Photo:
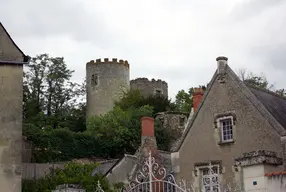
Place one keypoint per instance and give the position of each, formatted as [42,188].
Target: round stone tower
[150,87]
[106,81]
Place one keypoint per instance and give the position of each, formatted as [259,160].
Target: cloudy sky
[174,40]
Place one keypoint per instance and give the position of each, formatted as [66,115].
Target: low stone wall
[69,188]
[32,171]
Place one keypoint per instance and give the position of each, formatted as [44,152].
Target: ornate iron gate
[154,178]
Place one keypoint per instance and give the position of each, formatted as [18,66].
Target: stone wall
[151,87]
[11,94]
[32,171]
[174,121]
[69,188]
[11,110]
[106,82]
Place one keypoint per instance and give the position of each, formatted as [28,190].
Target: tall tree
[49,94]
[255,80]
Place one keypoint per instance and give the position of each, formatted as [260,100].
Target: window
[158,92]
[94,80]
[226,129]
[207,171]
[209,177]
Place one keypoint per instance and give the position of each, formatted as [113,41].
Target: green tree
[73,173]
[255,80]
[184,100]
[50,97]
[281,92]
[119,130]
[133,98]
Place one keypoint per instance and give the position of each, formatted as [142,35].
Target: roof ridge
[266,91]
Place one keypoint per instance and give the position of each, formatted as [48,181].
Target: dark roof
[104,167]
[25,58]
[274,103]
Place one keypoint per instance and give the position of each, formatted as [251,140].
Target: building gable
[271,106]
[228,108]
[9,52]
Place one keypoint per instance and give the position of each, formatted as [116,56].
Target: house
[236,135]
[234,126]
[12,60]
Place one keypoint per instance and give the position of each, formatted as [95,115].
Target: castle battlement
[146,80]
[150,87]
[109,61]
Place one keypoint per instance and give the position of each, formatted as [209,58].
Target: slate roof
[104,167]
[25,58]
[275,104]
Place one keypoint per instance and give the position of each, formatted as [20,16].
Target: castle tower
[148,88]
[106,82]
[11,112]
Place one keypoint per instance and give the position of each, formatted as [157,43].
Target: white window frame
[219,124]
[203,176]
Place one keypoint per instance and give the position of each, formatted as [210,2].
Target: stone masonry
[148,88]
[11,109]
[106,83]
[173,121]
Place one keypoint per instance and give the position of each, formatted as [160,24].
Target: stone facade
[106,83]
[174,121]
[11,110]
[226,96]
[148,88]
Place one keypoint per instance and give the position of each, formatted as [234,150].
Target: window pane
[226,129]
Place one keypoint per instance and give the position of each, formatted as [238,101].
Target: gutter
[14,62]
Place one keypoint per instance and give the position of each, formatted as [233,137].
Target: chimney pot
[221,63]
[147,126]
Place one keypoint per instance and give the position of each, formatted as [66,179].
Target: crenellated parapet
[107,80]
[109,61]
[146,80]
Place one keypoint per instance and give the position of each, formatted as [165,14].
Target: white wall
[276,183]
[255,181]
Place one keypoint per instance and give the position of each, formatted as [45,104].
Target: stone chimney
[197,97]
[221,63]
[148,139]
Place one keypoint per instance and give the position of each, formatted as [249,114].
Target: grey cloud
[40,19]
[272,55]
[252,8]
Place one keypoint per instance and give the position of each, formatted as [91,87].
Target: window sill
[226,142]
